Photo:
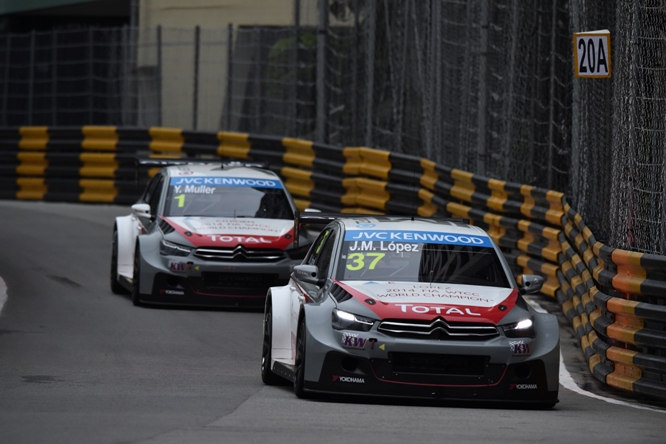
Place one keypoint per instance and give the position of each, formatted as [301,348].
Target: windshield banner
[225,182]
[428,237]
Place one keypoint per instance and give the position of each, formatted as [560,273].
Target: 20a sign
[592,54]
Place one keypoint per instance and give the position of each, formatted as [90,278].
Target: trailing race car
[207,235]
[410,307]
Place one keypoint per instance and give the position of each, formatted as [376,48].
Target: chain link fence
[484,86]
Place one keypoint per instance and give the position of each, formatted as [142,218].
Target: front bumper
[171,280]
[525,382]
[437,370]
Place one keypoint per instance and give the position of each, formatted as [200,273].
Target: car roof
[218,170]
[378,223]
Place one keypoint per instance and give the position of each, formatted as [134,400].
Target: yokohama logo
[337,378]
[523,386]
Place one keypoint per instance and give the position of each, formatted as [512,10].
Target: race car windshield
[220,201]
[421,262]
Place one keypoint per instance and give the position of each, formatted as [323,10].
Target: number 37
[356,261]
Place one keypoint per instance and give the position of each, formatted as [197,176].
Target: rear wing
[323,219]
[161,163]
[154,162]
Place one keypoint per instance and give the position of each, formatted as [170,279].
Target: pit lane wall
[615,299]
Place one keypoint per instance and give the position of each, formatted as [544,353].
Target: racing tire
[547,405]
[299,364]
[267,375]
[136,294]
[116,286]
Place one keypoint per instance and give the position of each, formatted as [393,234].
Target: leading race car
[207,235]
[410,307]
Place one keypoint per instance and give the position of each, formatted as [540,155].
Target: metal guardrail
[615,299]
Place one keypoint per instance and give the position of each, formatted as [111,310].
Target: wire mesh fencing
[483,86]
[66,77]
[637,148]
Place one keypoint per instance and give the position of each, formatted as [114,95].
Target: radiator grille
[431,364]
[239,254]
[438,329]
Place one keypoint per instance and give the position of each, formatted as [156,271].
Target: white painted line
[568,382]
[3,293]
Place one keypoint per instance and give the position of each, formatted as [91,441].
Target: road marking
[3,293]
[567,381]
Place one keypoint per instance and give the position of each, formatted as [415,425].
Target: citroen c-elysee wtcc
[207,235]
[410,307]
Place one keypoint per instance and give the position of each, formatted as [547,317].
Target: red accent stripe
[206,240]
[431,311]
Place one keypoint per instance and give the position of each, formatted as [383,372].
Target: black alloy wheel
[267,375]
[299,367]
[116,287]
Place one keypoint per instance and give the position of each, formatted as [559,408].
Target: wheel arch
[279,300]
[127,229]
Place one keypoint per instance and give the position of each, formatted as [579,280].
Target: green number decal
[377,257]
[356,260]
[181,200]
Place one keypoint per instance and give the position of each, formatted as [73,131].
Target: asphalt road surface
[79,364]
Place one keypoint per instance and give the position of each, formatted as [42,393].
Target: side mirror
[308,274]
[141,210]
[531,283]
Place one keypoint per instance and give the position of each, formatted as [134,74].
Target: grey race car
[207,235]
[410,307]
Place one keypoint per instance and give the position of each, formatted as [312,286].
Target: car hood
[231,232]
[425,301]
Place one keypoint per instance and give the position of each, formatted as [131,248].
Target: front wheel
[116,287]
[267,375]
[299,367]
[136,275]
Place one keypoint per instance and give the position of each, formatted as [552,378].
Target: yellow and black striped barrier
[614,299]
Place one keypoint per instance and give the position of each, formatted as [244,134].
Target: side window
[150,189]
[154,198]
[321,251]
[317,247]
[324,258]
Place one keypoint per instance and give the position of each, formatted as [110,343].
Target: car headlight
[171,249]
[343,320]
[520,329]
[298,253]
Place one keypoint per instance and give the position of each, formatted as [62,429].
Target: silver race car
[410,307]
[207,235]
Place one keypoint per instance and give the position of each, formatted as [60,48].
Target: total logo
[421,309]
[239,239]
[337,378]
[522,386]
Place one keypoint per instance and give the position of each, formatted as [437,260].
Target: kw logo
[353,341]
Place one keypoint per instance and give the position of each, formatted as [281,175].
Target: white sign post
[592,54]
